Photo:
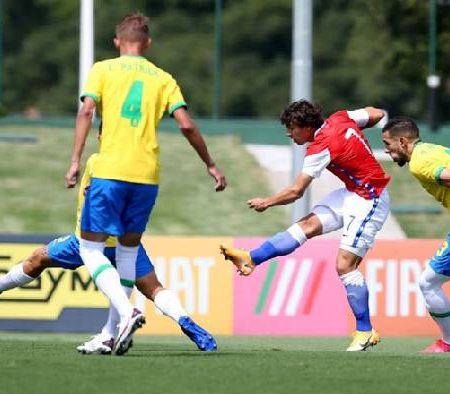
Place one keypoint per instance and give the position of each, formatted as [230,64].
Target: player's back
[351,158]
[132,95]
[426,164]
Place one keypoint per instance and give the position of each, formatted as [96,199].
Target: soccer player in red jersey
[360,208]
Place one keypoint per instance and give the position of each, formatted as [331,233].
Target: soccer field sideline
[243,364]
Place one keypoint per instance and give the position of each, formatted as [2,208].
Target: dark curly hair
[402,126]
[302,113]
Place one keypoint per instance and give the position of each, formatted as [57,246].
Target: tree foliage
[364,52]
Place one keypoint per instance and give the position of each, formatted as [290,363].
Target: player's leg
[27,271]
[106,336]
[362,220]
[103,272]
[358,299]
[101,215]
[109,330]
[61,252]
[322,220]
[280,244]
[134,217]
[438,305]
[169,304]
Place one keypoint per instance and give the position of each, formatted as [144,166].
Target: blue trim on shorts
[365,221]
[65,252]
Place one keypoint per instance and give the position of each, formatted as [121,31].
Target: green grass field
[48,363]
[34,200]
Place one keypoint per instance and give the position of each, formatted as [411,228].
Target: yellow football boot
[240,258]
[363,339]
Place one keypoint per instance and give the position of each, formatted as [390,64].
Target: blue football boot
[202,338]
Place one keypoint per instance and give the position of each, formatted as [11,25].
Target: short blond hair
[133,28]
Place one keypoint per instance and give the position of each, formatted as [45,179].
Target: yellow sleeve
[428,170]
[174,97]
[94,85]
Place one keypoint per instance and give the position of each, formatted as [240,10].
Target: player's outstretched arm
[285,196]
[82,127]
[193,135]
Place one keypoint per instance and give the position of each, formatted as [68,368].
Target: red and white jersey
[340,146]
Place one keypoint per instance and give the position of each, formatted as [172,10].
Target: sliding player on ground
[64,253]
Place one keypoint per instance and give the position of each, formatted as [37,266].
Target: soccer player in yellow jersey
[430,164]
[64,252]
[131,94]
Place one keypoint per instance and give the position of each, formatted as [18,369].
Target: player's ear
[149,42]
[116,42]
[403,141]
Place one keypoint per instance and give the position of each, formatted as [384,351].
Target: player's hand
[258,204]
[221,182]
[72,175]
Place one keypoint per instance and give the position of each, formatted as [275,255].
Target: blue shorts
[116,207]
[65,252]
[440,262]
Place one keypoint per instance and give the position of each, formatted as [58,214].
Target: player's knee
[130,239]
[311,225]
[346,262]
[343,269]
[426,283]
[37,256]
[35,264]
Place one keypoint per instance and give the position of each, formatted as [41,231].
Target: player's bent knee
[311,225]
[347,262]
[36,258]
[327,219]
[426,283]
[36,263]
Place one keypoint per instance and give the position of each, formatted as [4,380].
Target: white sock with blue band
[281,244]
[358,298]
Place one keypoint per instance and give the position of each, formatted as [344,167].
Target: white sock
[15,278]
[436,301]
[297,233]
[110,328]
[169,304]
[126,257]
[355,278]
[105,276]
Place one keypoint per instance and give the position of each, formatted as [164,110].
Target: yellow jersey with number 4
[131,95]
[426,164]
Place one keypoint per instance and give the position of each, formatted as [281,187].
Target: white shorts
[361,219]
